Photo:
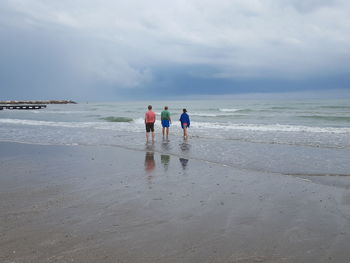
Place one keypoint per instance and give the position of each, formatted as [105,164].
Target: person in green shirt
[166,121]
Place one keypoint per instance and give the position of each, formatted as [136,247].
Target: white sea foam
[138,124]
[268,128]
[229,110]
[203,114]
[63,112]
[222,114]
[139,121]
[135,125]
[61,124]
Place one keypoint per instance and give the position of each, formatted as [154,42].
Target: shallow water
[293,137]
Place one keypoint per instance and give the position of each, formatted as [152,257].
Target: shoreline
[108,204]
[279,159]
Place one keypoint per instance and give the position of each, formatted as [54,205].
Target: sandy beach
[109,204]
[174,131]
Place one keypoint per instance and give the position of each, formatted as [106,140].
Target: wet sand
[107,204]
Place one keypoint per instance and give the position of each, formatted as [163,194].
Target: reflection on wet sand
[150,163]
[165,159]
[183,162]
[185,148]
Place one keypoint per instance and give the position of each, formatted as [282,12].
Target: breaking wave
[131,124]
[326,118]
[229,110]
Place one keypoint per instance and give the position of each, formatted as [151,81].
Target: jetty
[38,102]
[23,107]
[30,104]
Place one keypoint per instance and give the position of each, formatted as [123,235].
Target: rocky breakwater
[38,102]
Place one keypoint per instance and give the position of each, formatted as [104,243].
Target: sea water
[300,137]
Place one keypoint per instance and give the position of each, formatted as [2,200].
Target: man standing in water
[166,120]
[150,119]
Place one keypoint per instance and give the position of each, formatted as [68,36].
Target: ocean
[294,137]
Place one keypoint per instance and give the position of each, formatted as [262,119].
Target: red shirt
[150,117]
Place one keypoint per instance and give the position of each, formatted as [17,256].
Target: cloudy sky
[113,49]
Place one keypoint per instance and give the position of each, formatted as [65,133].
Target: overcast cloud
[89,49]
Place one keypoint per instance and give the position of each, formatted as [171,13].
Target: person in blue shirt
[185,122]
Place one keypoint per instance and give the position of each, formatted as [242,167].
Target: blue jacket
[184,118]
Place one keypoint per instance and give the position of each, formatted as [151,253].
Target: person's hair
[149,107]
[184,110]
[166,107]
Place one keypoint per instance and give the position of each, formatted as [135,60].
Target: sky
[103,50]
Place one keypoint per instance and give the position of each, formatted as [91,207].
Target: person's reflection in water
[150,163]
[185,148]
[183,162]
[165,159]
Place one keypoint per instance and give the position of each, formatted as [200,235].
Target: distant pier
[30,104]
[36,102]
[22,107]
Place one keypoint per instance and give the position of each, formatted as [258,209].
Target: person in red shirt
[150,119]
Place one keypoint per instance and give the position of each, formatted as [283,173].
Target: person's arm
[145,117]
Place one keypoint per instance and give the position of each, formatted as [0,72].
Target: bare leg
[167,132]
[185,132]
[185,139]
[163,131]
[153,134]
[147,135]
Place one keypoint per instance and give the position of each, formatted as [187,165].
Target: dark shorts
[184,125]
[149,127]
[165,123]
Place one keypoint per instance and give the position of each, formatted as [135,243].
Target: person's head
[184,110]
[149,107]
[166,108]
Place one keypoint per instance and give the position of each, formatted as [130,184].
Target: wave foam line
[269,128]
[229,110]
[198,125]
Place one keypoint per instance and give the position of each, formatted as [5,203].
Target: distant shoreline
[38,102]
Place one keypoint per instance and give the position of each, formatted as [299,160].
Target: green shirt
[165,115]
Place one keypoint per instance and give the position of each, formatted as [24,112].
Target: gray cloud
[93,45]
